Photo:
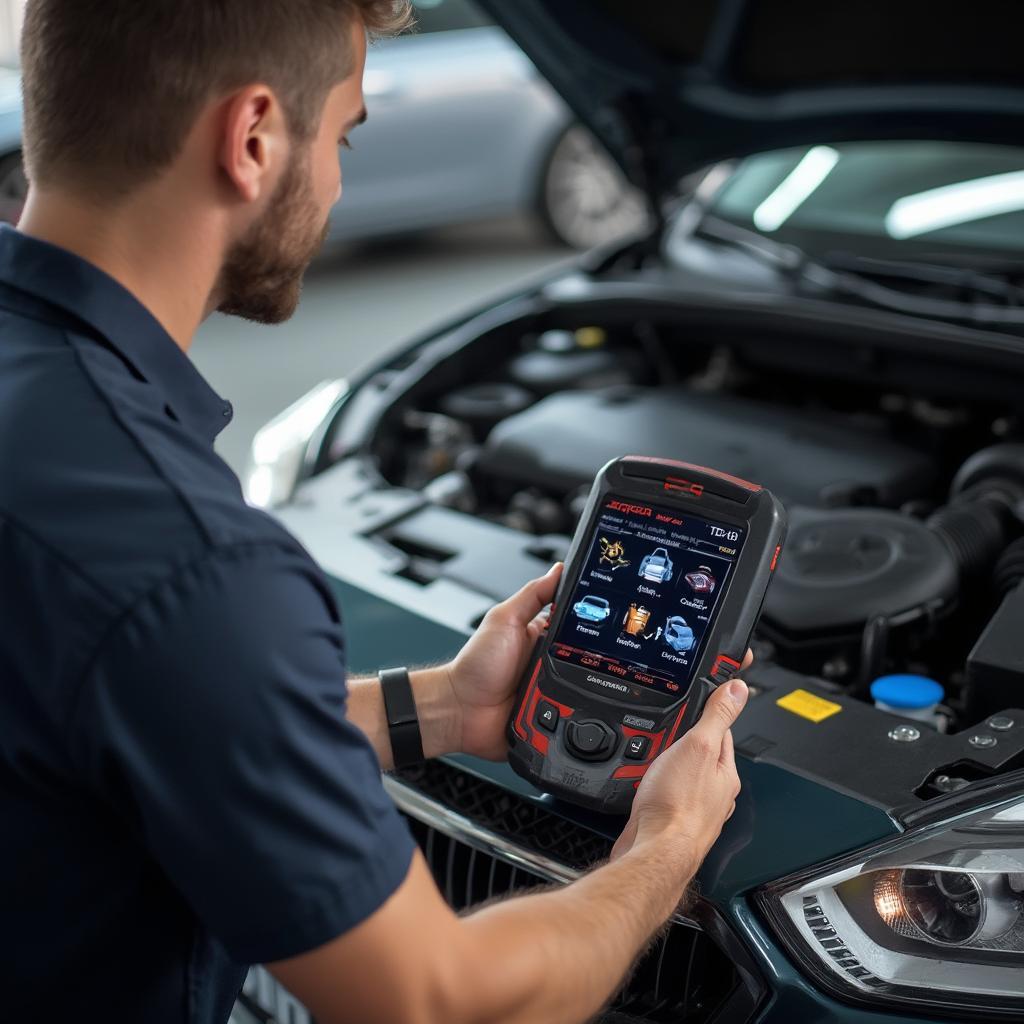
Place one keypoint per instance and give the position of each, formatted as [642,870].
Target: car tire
[585,200]
[13,188]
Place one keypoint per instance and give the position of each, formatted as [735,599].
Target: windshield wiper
[982,299]
[969,282]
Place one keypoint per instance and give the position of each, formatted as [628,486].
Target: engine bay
[903,475]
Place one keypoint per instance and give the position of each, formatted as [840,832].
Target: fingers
[537,625]
[722,709]
[748,659]
[527,603]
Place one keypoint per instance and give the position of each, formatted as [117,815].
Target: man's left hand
[485,674]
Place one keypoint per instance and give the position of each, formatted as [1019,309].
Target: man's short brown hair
[112,87]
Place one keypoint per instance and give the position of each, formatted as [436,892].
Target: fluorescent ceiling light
[959,203]
[813,169]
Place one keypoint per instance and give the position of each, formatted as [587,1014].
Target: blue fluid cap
[907,691]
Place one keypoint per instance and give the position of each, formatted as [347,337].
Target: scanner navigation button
[636,747]
[547,716]
[591,741]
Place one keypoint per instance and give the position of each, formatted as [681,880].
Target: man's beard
[261,278]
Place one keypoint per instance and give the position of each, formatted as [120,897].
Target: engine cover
[843,567]
[561,442]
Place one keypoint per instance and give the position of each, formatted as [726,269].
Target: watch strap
[403,720]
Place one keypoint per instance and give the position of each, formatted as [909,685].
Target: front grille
[684,977]
[263,1001]
[506,814]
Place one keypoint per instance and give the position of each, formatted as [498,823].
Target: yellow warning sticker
[808,705]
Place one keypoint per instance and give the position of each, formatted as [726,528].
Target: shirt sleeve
[213,721]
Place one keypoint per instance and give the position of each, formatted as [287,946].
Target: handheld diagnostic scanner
[662,588]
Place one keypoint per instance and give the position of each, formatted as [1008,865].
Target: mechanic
[188,783]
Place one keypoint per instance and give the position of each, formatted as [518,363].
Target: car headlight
[279,451]
[933,918]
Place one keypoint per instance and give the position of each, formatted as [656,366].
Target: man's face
[262,276]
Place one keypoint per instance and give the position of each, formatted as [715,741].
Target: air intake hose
[1009,571]
[975,533]
[981,517]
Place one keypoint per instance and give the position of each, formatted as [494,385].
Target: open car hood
[670,86]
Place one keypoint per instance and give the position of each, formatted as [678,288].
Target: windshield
[911,200]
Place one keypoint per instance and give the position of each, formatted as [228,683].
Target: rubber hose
[974,532]
[1009,571]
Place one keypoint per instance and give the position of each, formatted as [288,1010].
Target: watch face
[651,582]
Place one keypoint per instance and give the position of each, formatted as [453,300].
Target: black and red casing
[542,756]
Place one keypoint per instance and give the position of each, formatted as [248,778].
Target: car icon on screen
[678,634]
[701,580]
[592,608]
[657,566]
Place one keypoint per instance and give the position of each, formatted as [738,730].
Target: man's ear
[254,144]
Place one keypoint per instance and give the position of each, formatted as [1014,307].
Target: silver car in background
[461,128]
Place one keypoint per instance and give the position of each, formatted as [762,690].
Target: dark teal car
[831,302]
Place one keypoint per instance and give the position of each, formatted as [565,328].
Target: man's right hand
[690,791]
[552,955]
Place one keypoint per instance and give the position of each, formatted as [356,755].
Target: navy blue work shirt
[180,792]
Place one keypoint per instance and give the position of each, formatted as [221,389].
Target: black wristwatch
[403,722]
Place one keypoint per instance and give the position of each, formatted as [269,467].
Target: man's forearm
[551,958]
[440,725]
[559,955]
[556,955]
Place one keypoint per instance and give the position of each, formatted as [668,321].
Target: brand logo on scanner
[607,682]
[676,483]
[636,510]
[639,723]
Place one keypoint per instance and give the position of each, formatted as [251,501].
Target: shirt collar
[66,281]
